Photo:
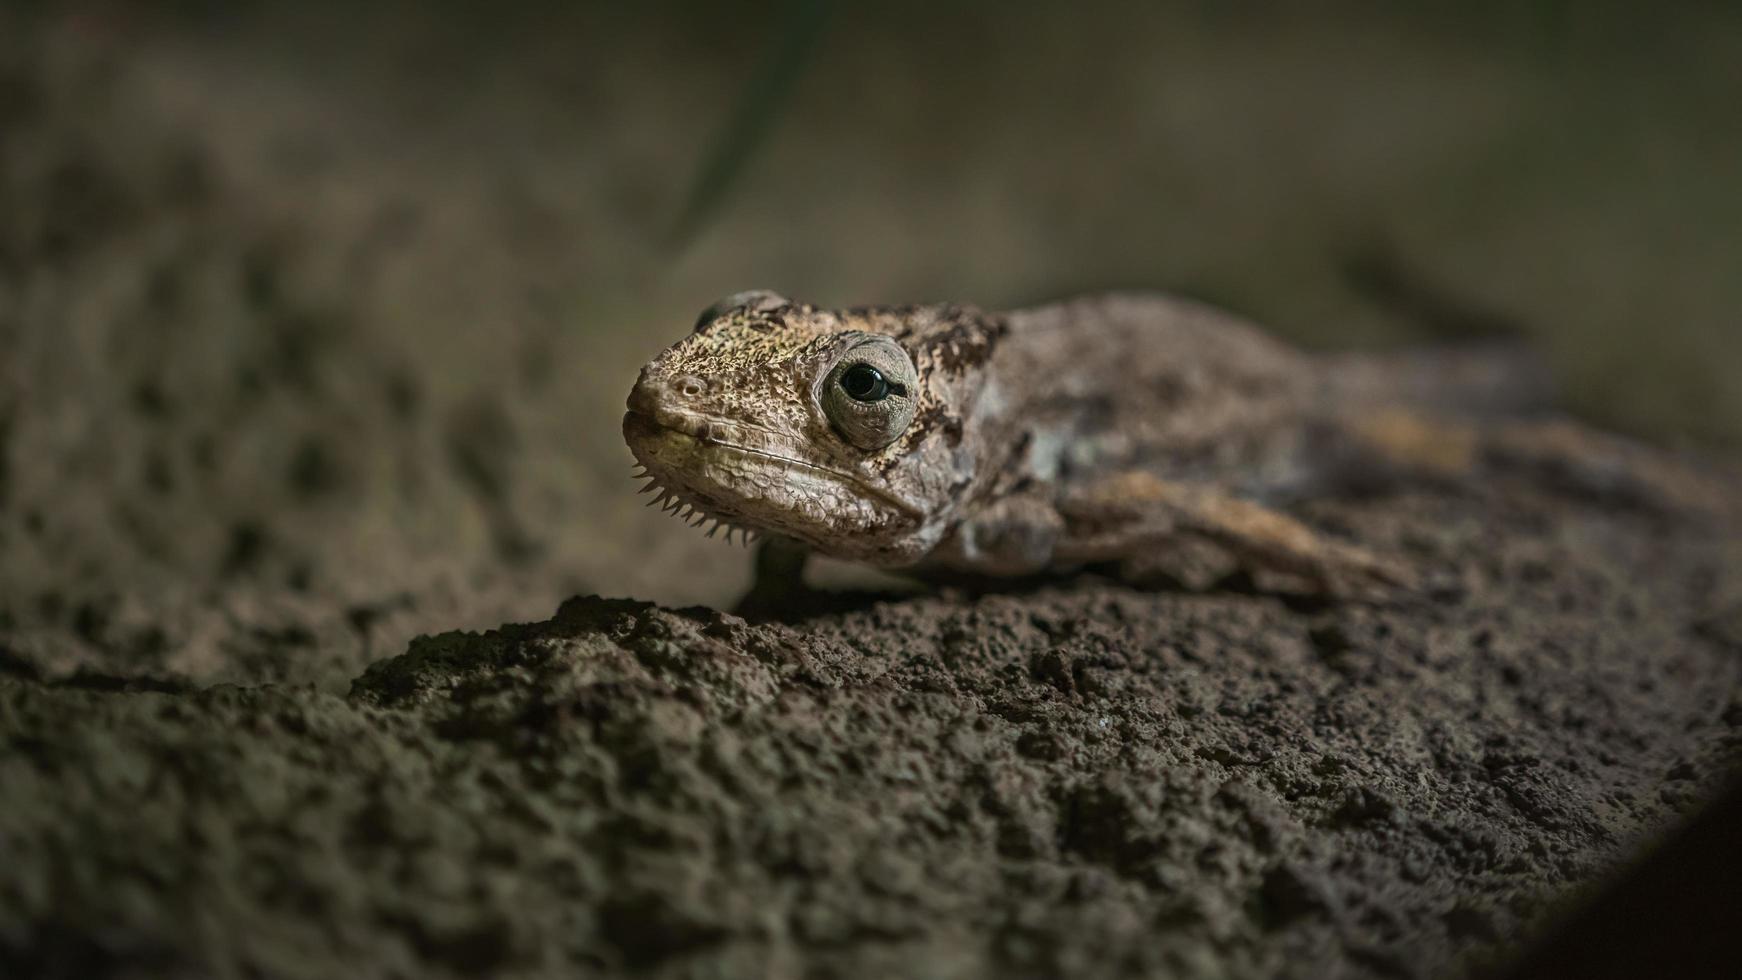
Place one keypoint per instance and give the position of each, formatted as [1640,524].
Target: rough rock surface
[1082,779]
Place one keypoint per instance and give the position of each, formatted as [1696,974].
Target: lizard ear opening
[754,300]
[869,395]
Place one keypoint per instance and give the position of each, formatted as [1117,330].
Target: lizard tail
[1479,379]
[1478,365]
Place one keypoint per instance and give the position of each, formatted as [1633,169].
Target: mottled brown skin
[1129,428]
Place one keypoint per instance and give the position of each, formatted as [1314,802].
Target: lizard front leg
[777,577]
[1011,536]
[1134,517]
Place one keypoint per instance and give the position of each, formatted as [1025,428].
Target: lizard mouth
[702,476]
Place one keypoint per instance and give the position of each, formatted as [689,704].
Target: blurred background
[316,322]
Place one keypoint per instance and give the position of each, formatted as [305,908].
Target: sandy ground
[314,333]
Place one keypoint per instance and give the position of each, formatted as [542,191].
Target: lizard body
[1116,428]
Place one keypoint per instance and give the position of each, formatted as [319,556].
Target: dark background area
[316,322]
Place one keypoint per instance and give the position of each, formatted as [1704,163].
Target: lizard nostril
[690,387]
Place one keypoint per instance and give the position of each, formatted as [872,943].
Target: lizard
[1144,431]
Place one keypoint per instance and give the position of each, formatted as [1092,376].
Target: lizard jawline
[640,427]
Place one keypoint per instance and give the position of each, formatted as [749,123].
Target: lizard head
[842,429]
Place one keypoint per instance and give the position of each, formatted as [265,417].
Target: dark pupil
[865,383]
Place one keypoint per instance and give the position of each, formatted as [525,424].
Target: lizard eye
[867,395]
[864,383]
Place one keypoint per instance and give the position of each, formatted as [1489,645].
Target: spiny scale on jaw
[687,511]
